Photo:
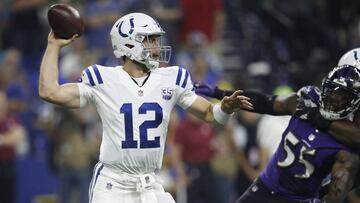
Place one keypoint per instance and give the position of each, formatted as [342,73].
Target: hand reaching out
[236,102]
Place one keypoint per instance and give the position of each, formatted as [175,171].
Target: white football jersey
[135,119]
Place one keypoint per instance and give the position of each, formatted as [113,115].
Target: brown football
[65,21]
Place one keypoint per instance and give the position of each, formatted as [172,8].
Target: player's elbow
[43,94]
[46,94]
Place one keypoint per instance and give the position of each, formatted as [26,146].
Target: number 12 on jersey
[129,142]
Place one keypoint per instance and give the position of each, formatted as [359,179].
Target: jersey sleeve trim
[97,73]
[178,78]
[182,77]
[91,80]
[185,80]
[93,72]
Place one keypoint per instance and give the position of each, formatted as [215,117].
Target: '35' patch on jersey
[166,93]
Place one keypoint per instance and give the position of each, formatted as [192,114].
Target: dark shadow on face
[338,99]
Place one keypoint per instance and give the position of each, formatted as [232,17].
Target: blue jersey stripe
[93,178]
[178,78]
[87,71]
[97,73]
[185,80]
[94,182]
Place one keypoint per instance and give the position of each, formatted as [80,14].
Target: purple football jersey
[303,159]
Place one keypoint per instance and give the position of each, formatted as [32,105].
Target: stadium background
[247,44]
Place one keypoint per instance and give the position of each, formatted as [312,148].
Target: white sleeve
[85,94]
[85,88]
[187,93]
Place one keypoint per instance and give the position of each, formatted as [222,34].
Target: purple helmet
[340,94]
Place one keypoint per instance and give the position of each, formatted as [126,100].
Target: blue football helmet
[340,94]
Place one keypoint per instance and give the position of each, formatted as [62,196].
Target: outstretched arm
[220,112]
[49,89]
[342,176]
[344,131]
[264,104]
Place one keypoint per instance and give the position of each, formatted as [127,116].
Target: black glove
[304,104]
[318,120]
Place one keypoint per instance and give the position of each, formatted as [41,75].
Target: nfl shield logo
[109,186]
[141,93]
[147,179]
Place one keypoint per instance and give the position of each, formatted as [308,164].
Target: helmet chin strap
[118,54]
[148,63]
[333,116]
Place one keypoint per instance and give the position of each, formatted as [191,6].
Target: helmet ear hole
[130,46]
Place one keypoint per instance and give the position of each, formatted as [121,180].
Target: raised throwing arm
[66,95]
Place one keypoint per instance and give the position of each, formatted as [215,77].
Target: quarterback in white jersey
[134,102]
[134,118]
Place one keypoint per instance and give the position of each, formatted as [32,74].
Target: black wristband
[262,103]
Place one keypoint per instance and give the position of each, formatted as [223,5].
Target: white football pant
[109,187]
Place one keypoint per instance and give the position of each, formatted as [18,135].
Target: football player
[134,102]
[307,152]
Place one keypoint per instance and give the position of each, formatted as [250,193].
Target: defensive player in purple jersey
[307,153]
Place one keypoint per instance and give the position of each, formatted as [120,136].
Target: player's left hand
[308,110]
[236,102]
[305,105]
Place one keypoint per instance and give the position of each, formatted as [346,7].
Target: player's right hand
[53,40]
[236,102]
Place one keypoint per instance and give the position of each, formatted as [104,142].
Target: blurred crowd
[275,46]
